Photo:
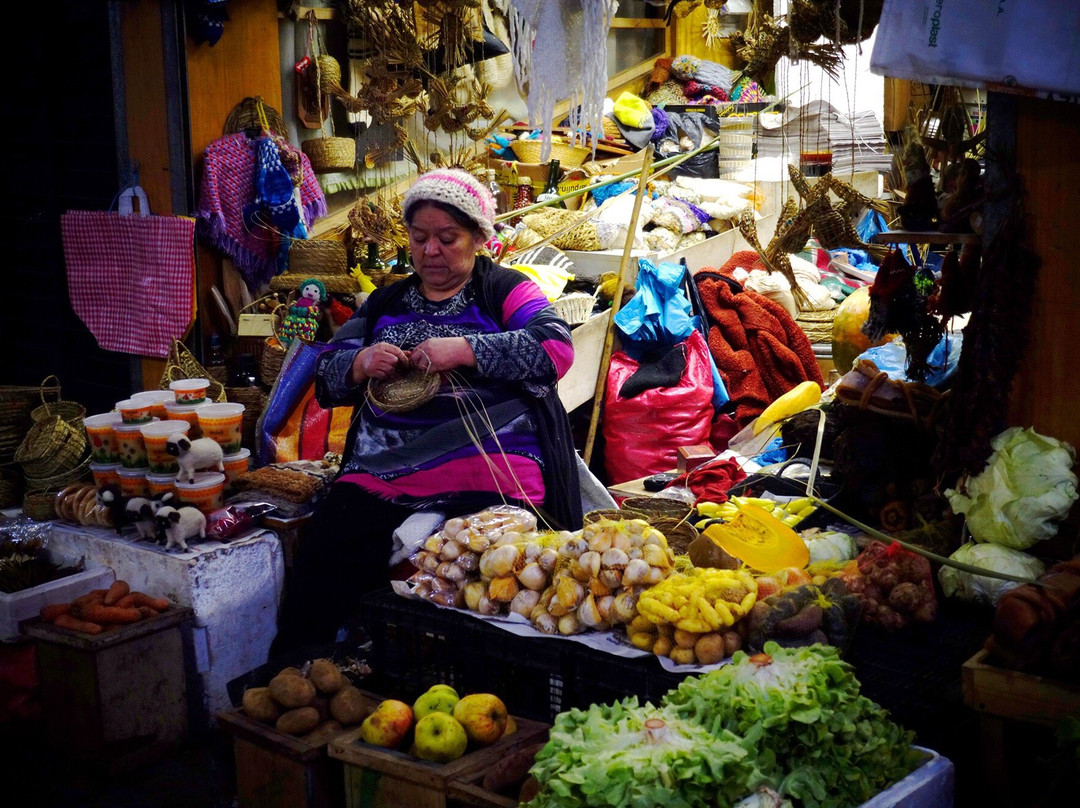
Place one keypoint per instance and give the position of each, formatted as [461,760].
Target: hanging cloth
[228,190]
[131,277]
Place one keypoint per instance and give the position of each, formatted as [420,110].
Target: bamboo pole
[609,336]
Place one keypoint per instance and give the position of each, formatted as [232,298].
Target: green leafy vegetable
[1027,486]
[981,588]
[823,743]
[606,755]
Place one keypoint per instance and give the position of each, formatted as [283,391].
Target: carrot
[51,611]
[146,611]
[127,601]
[73,623]
[157,604]
[93,596]
[116,591]
[100,613]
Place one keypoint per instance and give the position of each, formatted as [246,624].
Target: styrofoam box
[19,606]
[932,785]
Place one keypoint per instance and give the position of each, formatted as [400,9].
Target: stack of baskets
[16,402]
[54,452]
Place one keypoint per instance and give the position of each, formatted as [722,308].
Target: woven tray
[401,392]
[528,151]
[659,507]
[330,153]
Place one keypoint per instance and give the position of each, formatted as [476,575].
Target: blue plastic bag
[892,358]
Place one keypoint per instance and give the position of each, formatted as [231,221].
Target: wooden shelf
[924,237]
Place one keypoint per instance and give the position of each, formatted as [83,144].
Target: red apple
[484,717]
[388,725]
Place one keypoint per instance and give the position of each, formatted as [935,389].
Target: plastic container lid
[103,419]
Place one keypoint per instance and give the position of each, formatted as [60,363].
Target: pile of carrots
[98,609]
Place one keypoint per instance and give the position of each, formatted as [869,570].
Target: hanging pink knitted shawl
[228,192]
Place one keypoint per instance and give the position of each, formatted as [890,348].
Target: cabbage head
[1026,488]
[979,588]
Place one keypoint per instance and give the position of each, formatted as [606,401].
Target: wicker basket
[817,325]
[612,513]
[52,446]
[330,153]
[245,115]
[40,505]
[659,507]
[271,360]
[317,256]
[61,479]
[528,151]
[401,392]
[182,364]
[11,486]
[71,411]
[575,308]
[16,401]
[678,533]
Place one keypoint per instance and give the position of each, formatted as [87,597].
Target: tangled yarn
[703,71]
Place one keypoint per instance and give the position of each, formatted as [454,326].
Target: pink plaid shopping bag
[131,278]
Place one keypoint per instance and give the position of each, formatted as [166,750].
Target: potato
[291,691]
[685,639]
[710,648]
[733,642]
[662,646]
[322,705]
[257,703]
[349,706]
[683,656]
[298,722]
[291,670]
[326,676]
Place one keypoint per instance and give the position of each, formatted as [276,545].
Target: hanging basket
[71,411]
[52,446]
[330,153]
[245,115]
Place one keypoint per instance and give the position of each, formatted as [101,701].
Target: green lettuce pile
[790,719]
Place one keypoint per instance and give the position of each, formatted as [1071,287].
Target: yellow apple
[388,725]
[439,699]
[483,715]
[439,737]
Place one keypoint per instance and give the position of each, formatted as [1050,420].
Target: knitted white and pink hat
[453,186]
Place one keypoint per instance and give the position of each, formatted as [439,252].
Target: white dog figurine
[181,524]
[192,455]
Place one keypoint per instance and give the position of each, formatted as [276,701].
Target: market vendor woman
[495,431]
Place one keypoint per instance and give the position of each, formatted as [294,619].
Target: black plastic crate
[415,644]
[594,677]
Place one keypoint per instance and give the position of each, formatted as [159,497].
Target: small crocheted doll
[302,320]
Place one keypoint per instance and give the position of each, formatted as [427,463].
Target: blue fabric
[274,192]
[774,453]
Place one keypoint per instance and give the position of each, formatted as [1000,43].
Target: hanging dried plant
[389,27]
[390,95]
[455,101]
[763,45]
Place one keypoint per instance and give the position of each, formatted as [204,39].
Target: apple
[439,699]
[511,726]
[484,717]
[388,725]
[440,737]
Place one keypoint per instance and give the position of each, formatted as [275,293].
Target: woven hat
[633,116]
[458,188]
[319,259]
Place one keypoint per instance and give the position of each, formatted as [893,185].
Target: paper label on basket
[255,325]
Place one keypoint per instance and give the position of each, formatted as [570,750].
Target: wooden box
[385,778]
[1007,693]
[275,770]
[118,699]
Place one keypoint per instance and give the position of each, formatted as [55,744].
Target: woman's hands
[442,353]
[377,362]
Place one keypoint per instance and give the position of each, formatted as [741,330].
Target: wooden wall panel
[243,63]
[1046,393]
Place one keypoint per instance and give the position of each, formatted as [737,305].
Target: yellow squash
[760,540]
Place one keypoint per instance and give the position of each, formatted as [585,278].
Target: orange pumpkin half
[760,540]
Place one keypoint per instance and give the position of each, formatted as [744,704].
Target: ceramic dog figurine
[193,455]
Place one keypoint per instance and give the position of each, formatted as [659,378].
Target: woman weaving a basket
[454,374]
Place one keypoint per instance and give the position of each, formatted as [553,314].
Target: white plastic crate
[932,785]
[19,606]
